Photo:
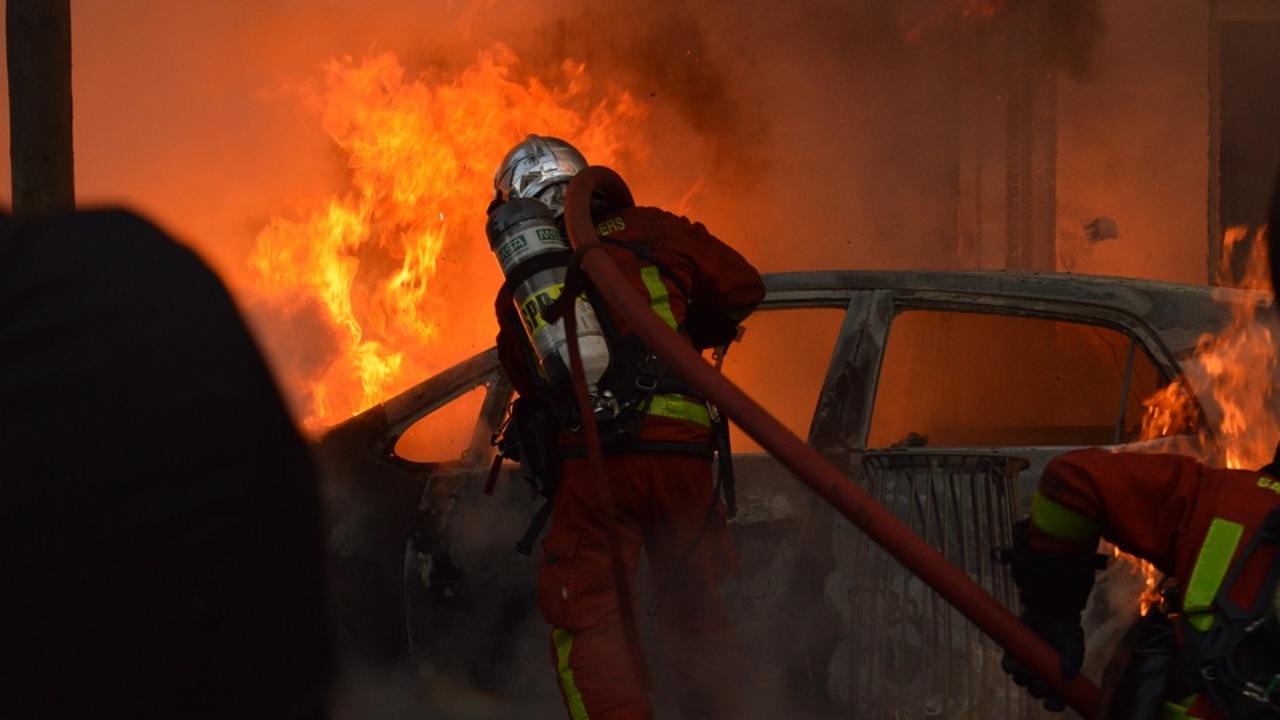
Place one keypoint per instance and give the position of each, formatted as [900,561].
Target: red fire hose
[815,471]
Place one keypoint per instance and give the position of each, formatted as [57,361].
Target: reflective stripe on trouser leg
[577,590]
[562,643]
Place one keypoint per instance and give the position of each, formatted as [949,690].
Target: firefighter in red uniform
[658,462]
[1213,532]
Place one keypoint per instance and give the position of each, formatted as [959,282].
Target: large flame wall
[323,154]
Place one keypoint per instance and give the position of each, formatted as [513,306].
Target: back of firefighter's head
[539,167]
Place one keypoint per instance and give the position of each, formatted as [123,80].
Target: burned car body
[942,393]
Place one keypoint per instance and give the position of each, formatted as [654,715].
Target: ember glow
[397,265]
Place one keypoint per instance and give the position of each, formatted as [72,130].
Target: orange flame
[1170,411]
[1239,368]
[1143,572]
[398,262]
[1239,365]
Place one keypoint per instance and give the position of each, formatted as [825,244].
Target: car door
[966,397]
[393,478]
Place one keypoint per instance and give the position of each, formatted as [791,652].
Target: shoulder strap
[644,253]
[1209,662]
[1268,532]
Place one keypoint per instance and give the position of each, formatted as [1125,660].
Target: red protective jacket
[722,286]
[1190,521]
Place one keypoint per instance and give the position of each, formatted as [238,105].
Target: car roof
[1180,313]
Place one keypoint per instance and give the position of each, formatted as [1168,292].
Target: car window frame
[1168,371]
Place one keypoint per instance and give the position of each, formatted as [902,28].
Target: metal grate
[915,656]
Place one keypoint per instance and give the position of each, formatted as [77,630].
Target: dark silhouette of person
[160,531]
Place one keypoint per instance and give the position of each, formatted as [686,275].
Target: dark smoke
[667,59]
[809,133]
[1076,30]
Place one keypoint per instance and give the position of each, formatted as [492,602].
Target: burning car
[942,394]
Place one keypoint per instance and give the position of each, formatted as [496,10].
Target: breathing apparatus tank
[534,257]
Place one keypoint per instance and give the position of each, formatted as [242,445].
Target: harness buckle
[1255,691]
[606,406]
[647,383]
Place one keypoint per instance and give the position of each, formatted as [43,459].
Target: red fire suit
[1190,521]
[665,500]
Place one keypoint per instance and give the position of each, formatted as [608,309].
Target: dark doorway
[1250,116]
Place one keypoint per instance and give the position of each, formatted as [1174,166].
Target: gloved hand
[1053,589]
[1066,636]
[708,328]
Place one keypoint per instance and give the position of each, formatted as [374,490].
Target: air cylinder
[534,258]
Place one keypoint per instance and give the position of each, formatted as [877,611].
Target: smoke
[299,339]
[811,134]
[1114,606]
[820,134]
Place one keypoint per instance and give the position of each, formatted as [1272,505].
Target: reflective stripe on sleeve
[659,298]
[1062,522]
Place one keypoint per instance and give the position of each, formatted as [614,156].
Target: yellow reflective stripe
[1061,521]
[670,405]
[1211,567]
[679,407]
[563,641]
[1178,710]
[659,298]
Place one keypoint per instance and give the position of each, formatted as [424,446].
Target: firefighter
[658,442]
[1209,653]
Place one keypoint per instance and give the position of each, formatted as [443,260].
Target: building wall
[1134,146]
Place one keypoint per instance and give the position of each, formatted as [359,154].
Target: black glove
[1053,590]
[1067,637]
[708,328]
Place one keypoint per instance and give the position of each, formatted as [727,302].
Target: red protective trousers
[665,504]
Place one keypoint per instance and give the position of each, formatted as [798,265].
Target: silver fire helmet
[539,167]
